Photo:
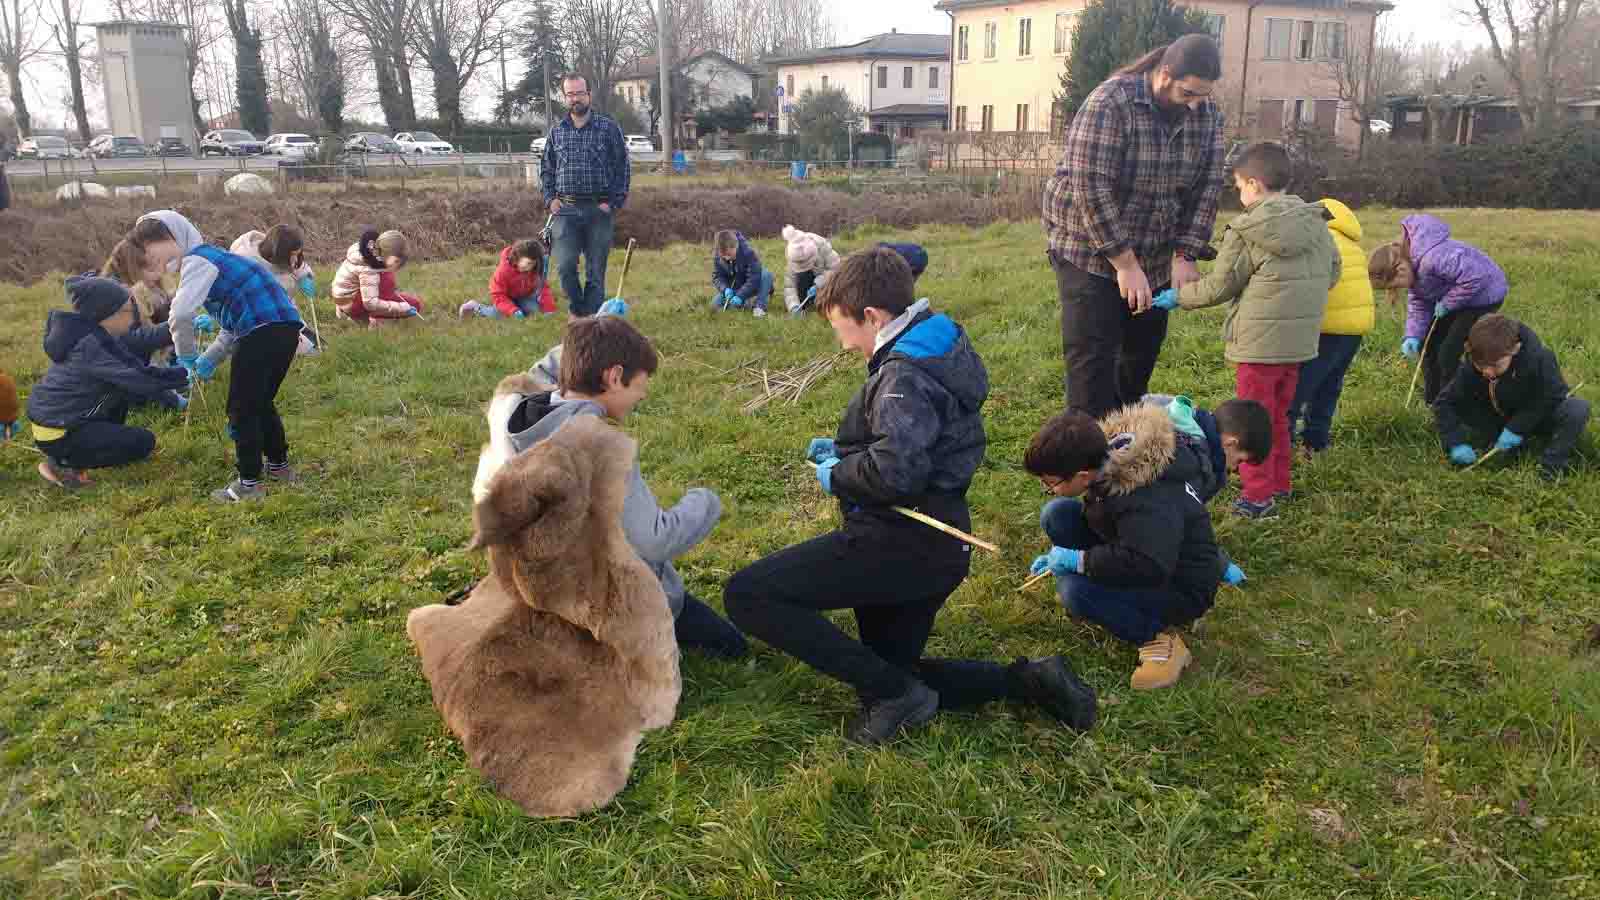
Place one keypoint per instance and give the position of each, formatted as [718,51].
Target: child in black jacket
[913,437]
[1509,381]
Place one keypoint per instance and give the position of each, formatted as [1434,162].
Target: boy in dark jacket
[913,436]
[1511,381]
[78,408]
[737,278]
[1136,554]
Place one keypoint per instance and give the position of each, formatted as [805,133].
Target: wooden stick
[13,443]
[1481,460]
[1422,357]
[1575,389]
[322,341]
[931,522]
[627,261]
[1034,580]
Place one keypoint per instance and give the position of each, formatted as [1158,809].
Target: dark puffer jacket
[1522,400]
[1148,509]
[913,436]
[743,275]
[92,375]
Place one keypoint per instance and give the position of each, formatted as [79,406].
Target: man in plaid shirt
[584,173]
[1128,211]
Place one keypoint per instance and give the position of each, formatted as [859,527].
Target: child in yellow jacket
[1350,315]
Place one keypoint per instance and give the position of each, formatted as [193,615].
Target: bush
[1558,172]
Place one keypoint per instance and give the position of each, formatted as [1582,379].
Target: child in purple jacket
[1449,284]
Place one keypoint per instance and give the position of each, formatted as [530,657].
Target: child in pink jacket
[364,287]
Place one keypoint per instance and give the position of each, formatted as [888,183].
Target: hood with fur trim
[1144,445]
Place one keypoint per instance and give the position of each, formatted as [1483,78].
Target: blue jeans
[1135,615]
[529,306]
[582,229]
[1321,382]
[763,292]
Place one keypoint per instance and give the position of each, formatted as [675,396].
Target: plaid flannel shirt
[245,295]
[591,161]
[1129,179]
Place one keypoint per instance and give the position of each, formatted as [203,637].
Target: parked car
[638,143]
[537,146]
[44,147]
[299,146]
[78,149]
[230,142]
[171,146]
[422,142]
[370,142]
[117,147]
[1379,126]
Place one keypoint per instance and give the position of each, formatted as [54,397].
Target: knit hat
[95,298]
[392,243]
[913,254]
[802,249]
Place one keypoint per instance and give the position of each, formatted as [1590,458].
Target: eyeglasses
[1050,484]
[577,93]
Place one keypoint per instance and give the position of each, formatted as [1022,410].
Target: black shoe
[1552,473]
[883,719]
[1051,685]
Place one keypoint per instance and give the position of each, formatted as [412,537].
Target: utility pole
[665,91]
[544,51]
[504,85]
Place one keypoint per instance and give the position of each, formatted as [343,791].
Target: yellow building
[1280,61]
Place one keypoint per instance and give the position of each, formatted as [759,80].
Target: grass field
[204,702]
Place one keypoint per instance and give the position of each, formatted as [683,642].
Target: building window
[1063,32]
[961,44]
[1305,112]
[988,118]
[908,77]
[961,118]
[991,40]
[1025,37]
[1058,119]
[933,78]
[824,82]
[883,76]
[1330,40]
[1022,117]
[1280,35]
[1305,44]
[1215,26]
[790,88]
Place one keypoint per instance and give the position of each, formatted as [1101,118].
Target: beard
[580,108]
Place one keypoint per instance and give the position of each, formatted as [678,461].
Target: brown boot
[1160,662]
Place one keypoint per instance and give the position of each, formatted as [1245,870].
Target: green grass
[205,702]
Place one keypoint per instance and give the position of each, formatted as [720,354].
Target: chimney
[894,31]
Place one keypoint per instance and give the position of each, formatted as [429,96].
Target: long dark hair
[368,249]
[1192,54]
[280,245]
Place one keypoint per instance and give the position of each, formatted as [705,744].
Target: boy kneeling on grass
[913,436]
[1136,554]
[606,366]
[1511,381]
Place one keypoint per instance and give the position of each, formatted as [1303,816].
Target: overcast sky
[1427,20]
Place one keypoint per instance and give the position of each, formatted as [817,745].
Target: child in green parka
[1274,269]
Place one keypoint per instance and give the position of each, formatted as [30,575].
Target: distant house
[714,79]
[900,81]
[1464,119]
[144,70]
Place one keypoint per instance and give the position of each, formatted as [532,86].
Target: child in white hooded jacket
[809,257]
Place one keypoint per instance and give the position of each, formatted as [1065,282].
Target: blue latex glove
[203,323]
[188,365]
[825,474]
[1410,347]
[519,314]
[411,312]
[821,449]
[183,402]
[616,306]
[1508,440]
[1233,574]
[231,432]
[1059,561]
[1463,455]
[1167,299]
[9,430]
[718,301]
[728,294]
[735,301]
[204,368]
[1439,310]
[811,294]
[308,286]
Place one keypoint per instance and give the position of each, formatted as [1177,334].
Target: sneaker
[759,313]
[236,492]
[287,474]
[1051,685]
[1246,510]
[469,308]
[1160,662]
[1282,495]
[881,720]
[1550,473]
[61,476]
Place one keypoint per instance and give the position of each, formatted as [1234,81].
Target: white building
[145,71]
[714,79]
[901,81]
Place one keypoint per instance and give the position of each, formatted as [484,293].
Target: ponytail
[368,249]
[1192,54]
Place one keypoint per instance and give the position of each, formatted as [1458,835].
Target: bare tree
[19,42]
[201,32]
[65,29]
[314,66]
[1529,40]
[1365,77]
[385,28]
[601,33]
[453,38]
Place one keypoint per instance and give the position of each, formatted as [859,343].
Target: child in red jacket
[364,287]
[518,288]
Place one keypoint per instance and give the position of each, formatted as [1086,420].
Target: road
[86,169]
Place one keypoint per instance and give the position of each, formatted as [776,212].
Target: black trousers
[100,445]
[1562,430]
[259,366]
[1110,352]
[780,599]
[1439,364]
